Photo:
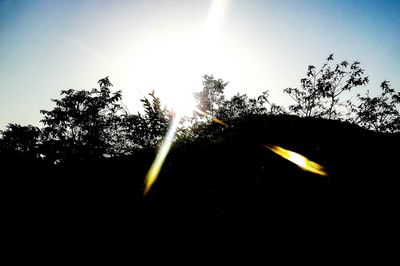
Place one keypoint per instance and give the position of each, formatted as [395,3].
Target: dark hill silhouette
[227,189]
[80,179]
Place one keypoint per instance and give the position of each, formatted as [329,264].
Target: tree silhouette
[211,96]
[83,123]
[211,99]
[380,113]
[319,94]
[21,140]
[97,155]
[241,106]
[147,130]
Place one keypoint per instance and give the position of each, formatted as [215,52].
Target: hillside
[227,185]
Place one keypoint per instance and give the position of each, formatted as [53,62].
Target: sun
[181,61]
[169,64]
[184,105]
[175,71]
[172,62]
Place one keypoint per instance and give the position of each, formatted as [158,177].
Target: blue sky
[167,45]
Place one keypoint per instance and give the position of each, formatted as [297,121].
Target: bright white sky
[167,45]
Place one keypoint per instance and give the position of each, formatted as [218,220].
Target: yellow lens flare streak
[165,146]
[214,119]
[299,160]
[162,153]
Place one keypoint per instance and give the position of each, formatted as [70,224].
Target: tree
[241,105]
[380,113]
[319,94]
[209,100]
[211,97]
[22,140]
[147,130]
[83,123]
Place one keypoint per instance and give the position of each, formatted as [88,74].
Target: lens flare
[299,160]
[162,153]
[165,147]
[214,119]
[182,108]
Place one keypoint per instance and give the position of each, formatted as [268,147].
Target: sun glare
[172,60]
[185,105]
[169,64]
[174,63]
[216,16]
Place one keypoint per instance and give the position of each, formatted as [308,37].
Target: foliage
[319,93]
[211,97]
[147,130]
[207,173]
[212,101]
[242,105]
[83,122]
[89,125]
[380,113]
[23,140]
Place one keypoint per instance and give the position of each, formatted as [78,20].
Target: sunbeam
[215,17]
[155,168]
[185,106]
[165,147]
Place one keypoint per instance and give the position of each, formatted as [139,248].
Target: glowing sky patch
[167,46]
[184,58]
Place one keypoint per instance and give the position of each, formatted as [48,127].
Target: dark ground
[225,192]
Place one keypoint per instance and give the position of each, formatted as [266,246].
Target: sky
[168,45]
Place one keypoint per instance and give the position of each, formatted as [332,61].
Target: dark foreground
[227,192]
